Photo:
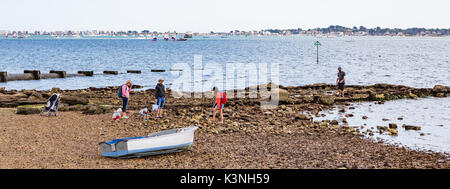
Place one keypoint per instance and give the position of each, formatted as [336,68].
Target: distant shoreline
[212,36]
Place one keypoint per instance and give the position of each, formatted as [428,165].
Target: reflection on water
[431,114]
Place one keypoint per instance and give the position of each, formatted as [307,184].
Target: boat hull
[168,141]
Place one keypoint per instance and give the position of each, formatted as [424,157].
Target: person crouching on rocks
[340,81]
[221,99]
[144,114]
[124,93]
[160,93]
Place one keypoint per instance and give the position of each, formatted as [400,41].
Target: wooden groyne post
[86,73]
[134,71]
[111,72]
[61,74]
[36,73]
[54,74]
[3,76]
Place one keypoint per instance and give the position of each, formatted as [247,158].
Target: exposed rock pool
[431,114]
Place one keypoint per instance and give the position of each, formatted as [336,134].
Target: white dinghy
[168,141]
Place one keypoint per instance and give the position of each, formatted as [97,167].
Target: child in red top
[220,103]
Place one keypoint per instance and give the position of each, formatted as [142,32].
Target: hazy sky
[224,15]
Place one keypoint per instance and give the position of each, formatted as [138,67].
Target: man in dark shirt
[340,81]
[160,93]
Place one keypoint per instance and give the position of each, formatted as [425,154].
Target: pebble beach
[251,137]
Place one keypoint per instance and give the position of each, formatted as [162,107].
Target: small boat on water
[188,35]
[168,141]
[181,39]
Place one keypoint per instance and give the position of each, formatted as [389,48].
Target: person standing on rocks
[125,89]
[221,99]
[160,93]
[340,81]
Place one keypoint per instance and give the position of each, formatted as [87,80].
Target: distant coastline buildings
[333,30]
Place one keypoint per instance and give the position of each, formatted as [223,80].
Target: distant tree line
[369,31]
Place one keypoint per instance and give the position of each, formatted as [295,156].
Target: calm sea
[416,62]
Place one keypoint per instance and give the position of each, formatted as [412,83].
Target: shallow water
[411,61]
[431,114]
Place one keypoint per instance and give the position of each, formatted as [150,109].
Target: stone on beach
[302,117]
[334,122]
[392,125]
[326,100]
[411,127]
[392,131]
[283,95]
[382,128]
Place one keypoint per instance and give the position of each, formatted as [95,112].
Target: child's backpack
[224,98]
[120,92]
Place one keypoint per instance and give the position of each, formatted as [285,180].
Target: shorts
[341,86]
[160,102]
[221,106]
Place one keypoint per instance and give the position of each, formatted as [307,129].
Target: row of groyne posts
[37,75]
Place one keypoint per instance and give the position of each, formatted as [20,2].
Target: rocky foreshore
[251,137]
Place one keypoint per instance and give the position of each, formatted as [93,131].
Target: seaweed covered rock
[11,100]
[73,100]
[98,109]
[26,110]
[440,89]
[78,107]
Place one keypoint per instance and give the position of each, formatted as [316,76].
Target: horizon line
[189,31]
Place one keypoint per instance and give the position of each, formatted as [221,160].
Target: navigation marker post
[317,44]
